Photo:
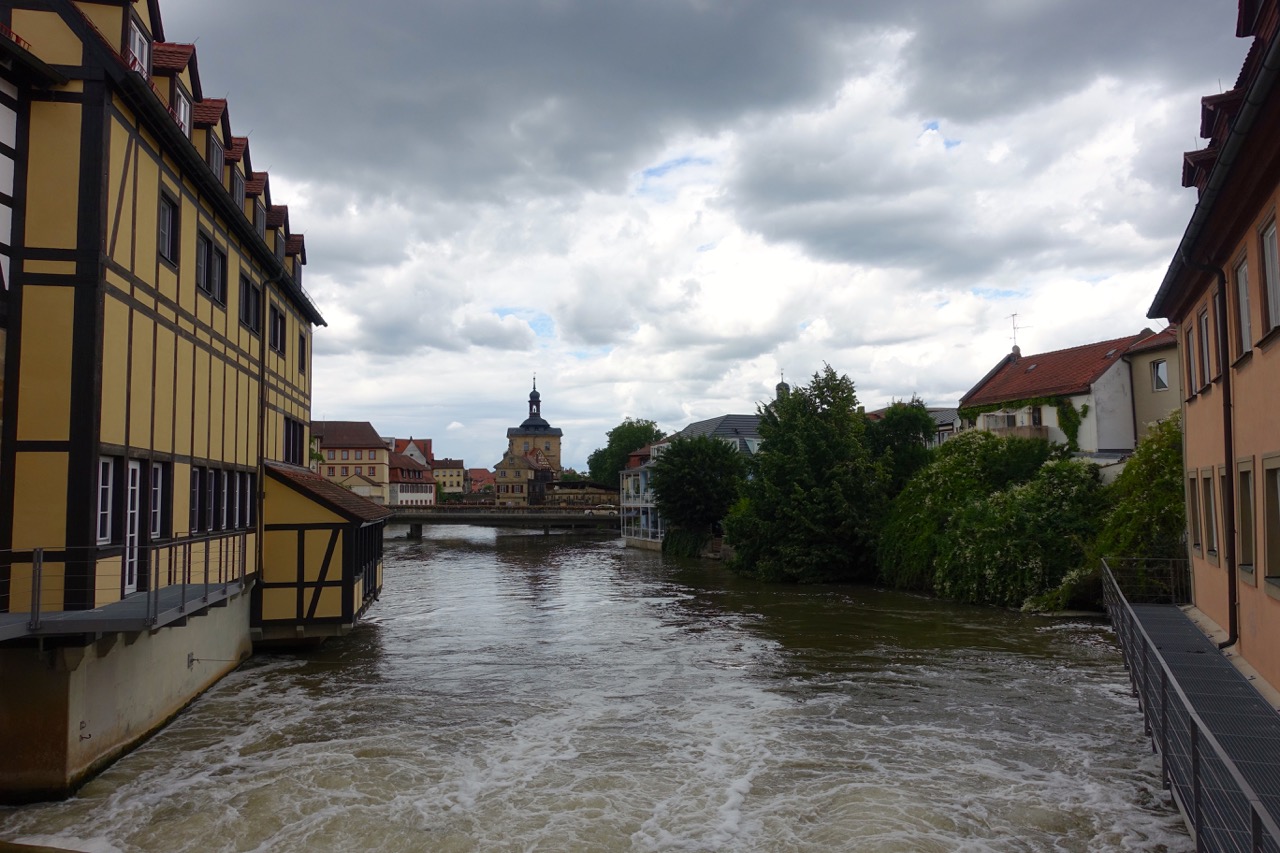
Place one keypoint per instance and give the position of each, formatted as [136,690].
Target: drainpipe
[1228,453]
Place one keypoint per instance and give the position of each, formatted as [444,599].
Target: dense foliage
[901,440]
[1021,541]
[632,434]
[696,480]
[815,495]
[1148,516]
[965,471]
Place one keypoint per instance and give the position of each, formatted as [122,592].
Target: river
[515,692]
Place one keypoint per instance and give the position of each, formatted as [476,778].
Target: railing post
[1164,728]
[37,580]
[1195,782]
[207,543]
[153,587]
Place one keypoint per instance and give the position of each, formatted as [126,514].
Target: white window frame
[139,57]
[182,111]
[156,509]
[1242,307]
[1203,321]
[1271,274]
[1160,375]
[106,498]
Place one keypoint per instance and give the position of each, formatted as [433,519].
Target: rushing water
[516,692]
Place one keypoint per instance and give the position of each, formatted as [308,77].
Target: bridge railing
[1223,809]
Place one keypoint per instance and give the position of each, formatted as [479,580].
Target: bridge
[543,518]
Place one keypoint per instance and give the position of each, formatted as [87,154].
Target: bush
[966,471]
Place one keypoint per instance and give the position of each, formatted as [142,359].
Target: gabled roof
[346,434]
[448,463]
[235,151]
[944,417]
[169,58]
[326,492]
[278,216]
[294,244]
[255,184]
[208,112]
[1059,373]
[479,476]
[1167,337]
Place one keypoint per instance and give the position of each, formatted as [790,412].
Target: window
[1000,420]
[1159,375]
[1271,275]
[345,469]
[106,475]
[139,52]
[218,276]
[224,482]
[211,269]
[276,341]
[217,159]
[1192,385]
[346,454]
[293,435]
[156,505]
[167,238]
[1210,514]
[260,219]
[210,498]
[359,469]
[526,447]
[1037,416]
[1193,511]
[302,353]
[1203,322]
[237,188]
[280,244]
[330,456]
[250,305]
[202,262]
[1244,516]
[330,470]
[359,454]
[1244,336]
[1271,514]
[373,455]
[233,494]
[182,110]
[197,497]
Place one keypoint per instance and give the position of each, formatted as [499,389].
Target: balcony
[1041,432]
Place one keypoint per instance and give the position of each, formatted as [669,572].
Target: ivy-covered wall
[1069,418]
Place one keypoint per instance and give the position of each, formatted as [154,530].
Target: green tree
[814,495]
[696,480]
[632,434]
[964,471]
[901,439]
[1148,517]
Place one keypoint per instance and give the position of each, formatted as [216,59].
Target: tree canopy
[902,439]
[815,494]
[1148,517]
[632,434]
[696,480]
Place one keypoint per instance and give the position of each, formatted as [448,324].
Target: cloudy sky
[658,206]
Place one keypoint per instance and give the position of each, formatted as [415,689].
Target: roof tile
[1050,374]
[343,501]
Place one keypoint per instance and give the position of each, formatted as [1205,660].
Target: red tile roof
[346,434]
[401,465]
[255,184]
[327,493]
[1051,374]
[235,151]
[1168,337]
[294,245]
[480,476]
[208,112]
[278,216]
[169,58]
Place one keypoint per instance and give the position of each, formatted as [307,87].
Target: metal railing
[170,577]
[1223,810]
[1145,580]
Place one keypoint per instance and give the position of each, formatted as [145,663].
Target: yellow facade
[157,356]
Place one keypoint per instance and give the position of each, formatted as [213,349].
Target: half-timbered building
[157,355]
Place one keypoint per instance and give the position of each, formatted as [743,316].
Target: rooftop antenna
[1016,327]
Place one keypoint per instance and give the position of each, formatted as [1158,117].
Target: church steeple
[535,400]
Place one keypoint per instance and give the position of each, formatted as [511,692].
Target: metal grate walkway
[1230,711]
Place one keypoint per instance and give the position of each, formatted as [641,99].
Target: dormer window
[260,219]
[280,245]
[237,188]
[182,111]
[139,52]
[216,158]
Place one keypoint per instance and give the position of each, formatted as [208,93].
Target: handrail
[1260,818]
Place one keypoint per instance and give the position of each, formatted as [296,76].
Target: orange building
[1223,290]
